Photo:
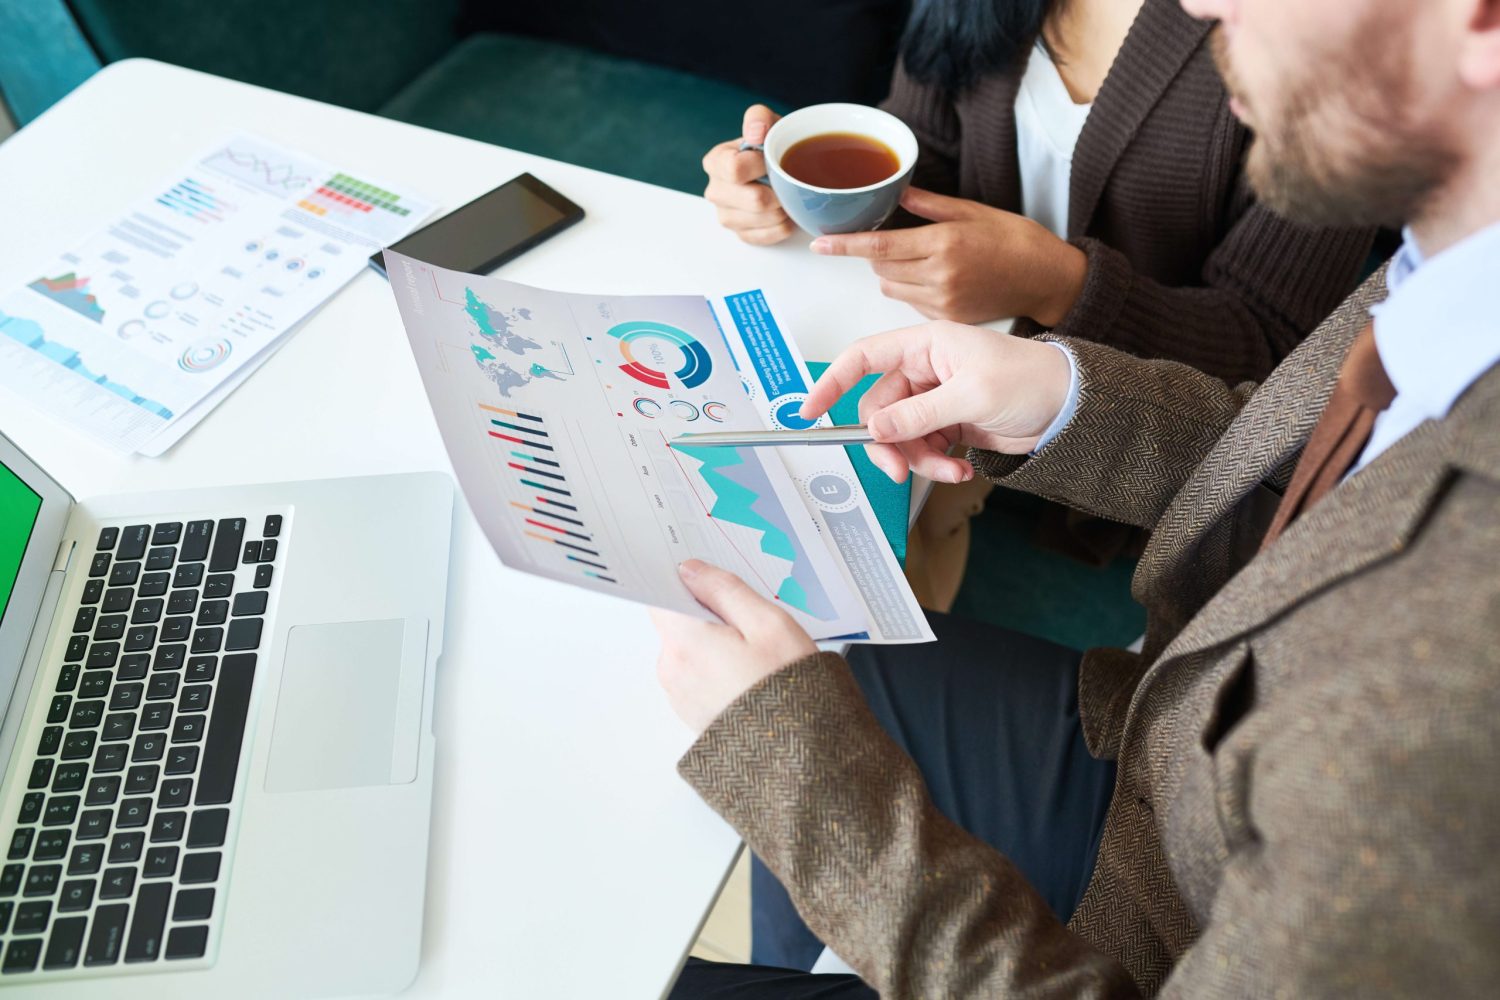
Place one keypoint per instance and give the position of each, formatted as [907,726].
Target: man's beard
[1343,150]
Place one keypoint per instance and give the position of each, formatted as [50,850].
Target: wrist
[1067,271]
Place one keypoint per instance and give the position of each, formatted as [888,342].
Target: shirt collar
[1437,331]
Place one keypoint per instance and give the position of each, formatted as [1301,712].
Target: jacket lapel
[1155,49]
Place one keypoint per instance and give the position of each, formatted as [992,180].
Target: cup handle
[756,147]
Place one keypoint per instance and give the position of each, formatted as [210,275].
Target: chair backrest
[43,55]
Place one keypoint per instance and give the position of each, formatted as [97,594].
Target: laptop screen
[19,506]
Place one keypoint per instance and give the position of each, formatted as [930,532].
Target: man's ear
[1479,56]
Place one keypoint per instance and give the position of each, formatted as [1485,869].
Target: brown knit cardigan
[1184,264]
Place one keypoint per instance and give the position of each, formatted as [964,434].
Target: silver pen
[848,434]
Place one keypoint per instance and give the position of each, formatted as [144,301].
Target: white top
[1436,333]
[1047,128]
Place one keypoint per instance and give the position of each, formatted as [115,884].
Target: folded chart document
[136,333]
[557,410]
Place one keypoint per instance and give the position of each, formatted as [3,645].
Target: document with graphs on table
[557,410]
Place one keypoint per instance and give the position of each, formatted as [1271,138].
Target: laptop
[216,757]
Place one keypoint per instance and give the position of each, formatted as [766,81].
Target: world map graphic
[497,335]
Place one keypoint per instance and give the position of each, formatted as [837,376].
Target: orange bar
[496,409]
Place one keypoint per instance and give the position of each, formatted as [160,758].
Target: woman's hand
[947,384]
[972,265]
[747,208]
[704,666]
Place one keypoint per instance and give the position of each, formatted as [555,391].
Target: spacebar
[226,730]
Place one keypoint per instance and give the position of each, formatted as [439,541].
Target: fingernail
[821,245]
[689,568]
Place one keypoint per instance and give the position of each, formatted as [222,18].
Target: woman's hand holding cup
[746,206]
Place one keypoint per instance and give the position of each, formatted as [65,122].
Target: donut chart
[696,368]
[648,408]
[205,356]
[715,412]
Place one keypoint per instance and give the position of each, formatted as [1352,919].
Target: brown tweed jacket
[1307,802]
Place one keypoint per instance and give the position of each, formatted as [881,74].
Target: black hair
[952,43]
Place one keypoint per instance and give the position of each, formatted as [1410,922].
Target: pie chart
[657,354]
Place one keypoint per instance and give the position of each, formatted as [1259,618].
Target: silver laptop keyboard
[118,851]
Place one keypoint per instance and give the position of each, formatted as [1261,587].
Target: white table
[568,859]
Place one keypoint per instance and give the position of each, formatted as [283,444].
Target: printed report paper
[135,334]
[557,410]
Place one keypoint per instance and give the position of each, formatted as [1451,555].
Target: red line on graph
[507,437]
[709,514]
[439,293]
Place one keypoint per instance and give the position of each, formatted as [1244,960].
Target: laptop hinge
[64,556]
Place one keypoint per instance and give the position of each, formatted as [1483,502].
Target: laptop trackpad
[350,709]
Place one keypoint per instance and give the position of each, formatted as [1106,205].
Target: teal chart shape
[71,291]
[29,334]
[743,495]
[497,331]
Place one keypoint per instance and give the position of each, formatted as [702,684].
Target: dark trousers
[990,717]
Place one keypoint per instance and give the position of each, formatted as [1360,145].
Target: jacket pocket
[1232,756]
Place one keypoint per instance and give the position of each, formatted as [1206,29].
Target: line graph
[270,174]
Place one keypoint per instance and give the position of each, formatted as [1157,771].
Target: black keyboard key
[133,541]
[263,575]
[227,539]
[5,911]
[31,807]
[22,956]
[169,657]
[111,758]
[187,942]
[159,559]
[175,793]
[252,553]
[133,667]
[133,813]
[83,621]
[155,584]
[79,745]
[65,945]
[273,526]
[118,883]
[213,613]
[107,539]
[252,602]
[10,879]
[77,894]
[194,698]
[70,777]
[51,739]
[156,717]
[86,859]
[195,542]
[77,646]
[146,612]
[107,934]
[167,533]
[41,773]
[188,729]
[31,918]
[139,637]
[120,725]
[61,810]
[200,669]
[268,550]
[126,696]
[104,790]
[162,685]
[243,634]
[94,824]
[125,574]
[103,655]
[126,848]
[51,845]
[95,684]
[183,602]
[201,867]
[176,629]
[208,828]
[141,779]
[218,586]
[92,592]
[161,862]
[86,714]
[99,565]
[109,628]
[208,640]
[226,730]
[150,746]
[148,923]
[58,710]
[168,827]
[20,845]
[182,760]
[117,600]
[188,575]
[67,677]
[193,904]
[41,880]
